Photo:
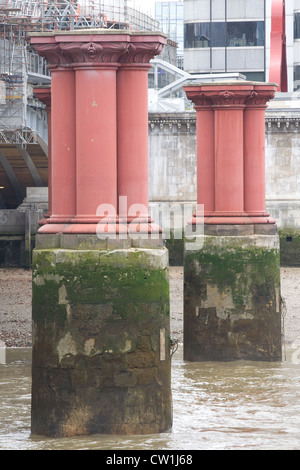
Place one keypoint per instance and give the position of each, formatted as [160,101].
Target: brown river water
[216,406]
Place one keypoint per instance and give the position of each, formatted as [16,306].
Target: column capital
[261,95]
[223,95]
[98,47]
[76,52]
[230,95]
[199,98]
[94,52]
[142,49]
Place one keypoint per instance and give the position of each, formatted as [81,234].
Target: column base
[232,297]
[100,226]
[101,328]
[220,218]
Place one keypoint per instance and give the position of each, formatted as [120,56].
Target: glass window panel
[180,11]
[297,78]
[202,35]
[173,11]
[218,35]
[165,10]
[239,34]
[254,76]
[245,33]
[158,10]
[297,26]
[197,35]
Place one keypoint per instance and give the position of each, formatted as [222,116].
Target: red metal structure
[278,64]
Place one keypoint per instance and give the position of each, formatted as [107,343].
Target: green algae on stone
[101,322]
[232,298]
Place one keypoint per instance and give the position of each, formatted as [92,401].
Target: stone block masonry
[232,301]
[101,336]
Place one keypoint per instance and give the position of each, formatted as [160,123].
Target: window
[296,77]
[197,35]
[297,26]
[245,34]
[220,34]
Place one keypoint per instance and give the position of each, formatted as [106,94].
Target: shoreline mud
[15,306]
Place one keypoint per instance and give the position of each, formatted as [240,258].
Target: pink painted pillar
[205,150]
[43,93]
[96,140]
[84,125]
[231,153]
[95,59]
[63,145]
[254,149]
[132,111]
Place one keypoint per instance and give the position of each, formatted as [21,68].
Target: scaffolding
[18,60]
[75,14]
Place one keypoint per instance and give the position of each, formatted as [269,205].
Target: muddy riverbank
[15,305]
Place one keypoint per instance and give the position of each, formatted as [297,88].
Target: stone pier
[232,300]
[101,324]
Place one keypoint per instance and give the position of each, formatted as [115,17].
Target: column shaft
[132,113]
[205,159]
[229,170]
[96,140]
[254,160]
[254,149]
[63,145]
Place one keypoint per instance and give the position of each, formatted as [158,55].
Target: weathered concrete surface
[289,247]
[101,335]
[232,299]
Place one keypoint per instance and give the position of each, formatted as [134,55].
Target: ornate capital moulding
[233,96]
[141,52]
[64,50]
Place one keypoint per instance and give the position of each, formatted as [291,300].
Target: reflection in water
[240,405]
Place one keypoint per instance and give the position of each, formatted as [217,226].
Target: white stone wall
[173,164]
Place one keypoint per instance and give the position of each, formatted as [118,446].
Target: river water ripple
[216,406]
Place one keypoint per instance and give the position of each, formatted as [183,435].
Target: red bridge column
[232,306]
[254,151]
[132,108]
[84,127]
[231,151]
[101,361]
[205,151]
[63,142]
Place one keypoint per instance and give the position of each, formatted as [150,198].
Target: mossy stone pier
[101,324]
[232,274]
[232,301]
[101,335]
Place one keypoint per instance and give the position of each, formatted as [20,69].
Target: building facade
[225,36]
[170,16]
[234,36]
